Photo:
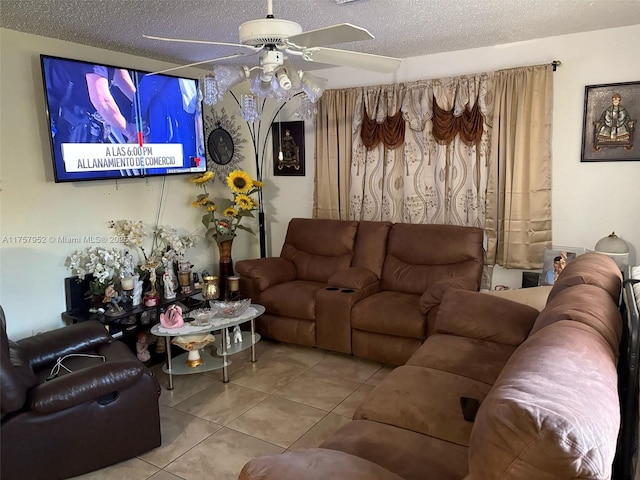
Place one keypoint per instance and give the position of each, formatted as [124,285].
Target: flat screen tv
[111,122]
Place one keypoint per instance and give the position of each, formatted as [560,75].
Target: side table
[178,365]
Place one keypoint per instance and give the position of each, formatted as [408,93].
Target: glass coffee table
[178,365]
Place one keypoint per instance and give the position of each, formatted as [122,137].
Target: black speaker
[75,290]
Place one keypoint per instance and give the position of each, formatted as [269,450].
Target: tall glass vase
[225,266]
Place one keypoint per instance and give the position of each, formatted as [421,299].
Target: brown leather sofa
[363,288]
[99,406]
[546,384]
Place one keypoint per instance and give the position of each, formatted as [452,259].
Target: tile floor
[291,397]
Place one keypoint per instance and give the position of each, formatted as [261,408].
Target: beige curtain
[518,225]
[333,143]
[438,174]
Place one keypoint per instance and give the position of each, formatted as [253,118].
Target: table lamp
[616,248]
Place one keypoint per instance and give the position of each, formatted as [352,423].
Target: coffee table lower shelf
[210,362]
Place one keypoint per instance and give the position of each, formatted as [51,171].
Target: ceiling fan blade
[346,58]
[206,42]
[340,33]
[211,60]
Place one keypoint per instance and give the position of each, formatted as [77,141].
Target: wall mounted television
[111,122]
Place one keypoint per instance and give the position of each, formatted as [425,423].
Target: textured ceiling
[403,28]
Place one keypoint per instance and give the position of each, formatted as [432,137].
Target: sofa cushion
[319,248]
[469,357]
[592,269]
[587,304]
[535,297]
[420,255]
[390,313]
[314,464]
[433,295]
[476,315]
[295,299]
[371,245]
[423,400]
[410,455]
[553,413]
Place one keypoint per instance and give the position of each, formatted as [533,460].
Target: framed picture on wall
[288,148]
[611,114]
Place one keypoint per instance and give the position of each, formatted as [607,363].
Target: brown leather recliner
[73,400]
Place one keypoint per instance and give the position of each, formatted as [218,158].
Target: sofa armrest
[314,464]
[45,348]
[266,272]
[433,296]
[84,385]
[353,277]
[484,317]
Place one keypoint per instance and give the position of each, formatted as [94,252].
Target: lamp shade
[616,248]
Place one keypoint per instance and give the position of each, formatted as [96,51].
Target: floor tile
[134,469]
[269,374]
[320,431]
[221,456]
[349,405]
[318,390]
[222,402]
[180,432]
[377,377]
[278,421]
[184,386]
[162,475]
[306,356]
[346,366]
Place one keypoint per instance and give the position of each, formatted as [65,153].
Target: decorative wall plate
[223,142]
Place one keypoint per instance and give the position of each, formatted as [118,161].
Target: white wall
[589,200]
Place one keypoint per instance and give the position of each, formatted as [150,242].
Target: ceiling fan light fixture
[283,79]
[313,86]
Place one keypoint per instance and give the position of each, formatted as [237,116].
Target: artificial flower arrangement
[166,244]
[223,216]
[106,265]
[109,266]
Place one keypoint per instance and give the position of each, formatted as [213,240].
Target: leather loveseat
[362,288]
[73,400]
[545,382]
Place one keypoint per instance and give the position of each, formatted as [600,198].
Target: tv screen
[111,122]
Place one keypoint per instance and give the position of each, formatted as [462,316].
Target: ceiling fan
[273,40]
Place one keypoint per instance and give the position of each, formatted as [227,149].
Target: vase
[225,266]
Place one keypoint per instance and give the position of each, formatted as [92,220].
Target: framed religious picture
[611,113]
[288,148]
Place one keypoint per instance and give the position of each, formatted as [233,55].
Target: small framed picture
[288,148]
[553,263]
[611,113]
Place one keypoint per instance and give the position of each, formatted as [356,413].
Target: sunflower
[258,184]
[243,201]
[212,207]
[230,212]
[239,181]
[202,179]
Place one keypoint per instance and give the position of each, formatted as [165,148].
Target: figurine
[137,290]
[169,292]
[237,334]
[142,348]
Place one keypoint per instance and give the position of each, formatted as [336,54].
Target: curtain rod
[555,64]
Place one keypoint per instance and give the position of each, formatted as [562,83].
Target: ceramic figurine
[142,348]
[169,286]
[237,334]
[137,290]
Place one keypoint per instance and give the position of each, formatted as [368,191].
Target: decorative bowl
[203,316]
[230,308]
